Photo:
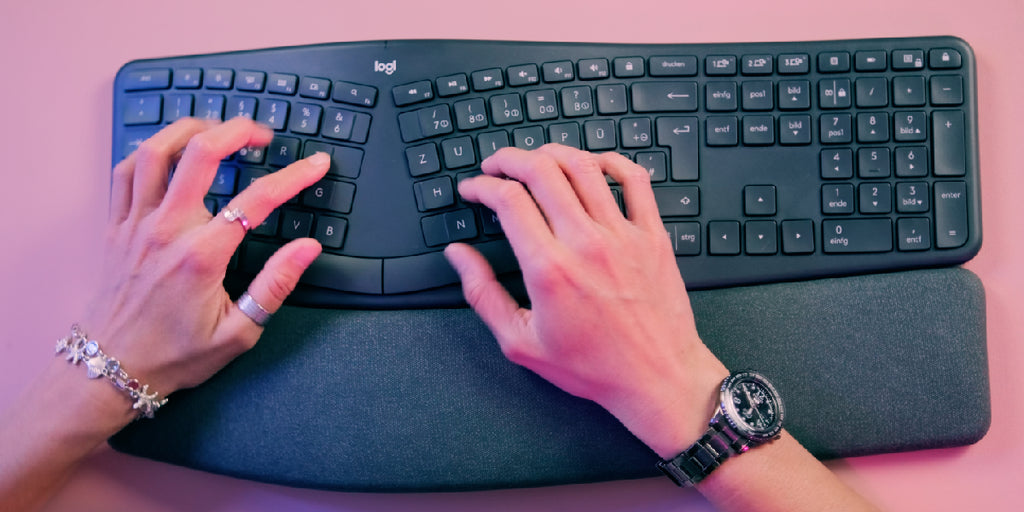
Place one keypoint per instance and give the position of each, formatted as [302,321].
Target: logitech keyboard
[769,161]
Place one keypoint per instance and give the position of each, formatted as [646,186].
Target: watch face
[752,405]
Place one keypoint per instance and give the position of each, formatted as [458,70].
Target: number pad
[912,197]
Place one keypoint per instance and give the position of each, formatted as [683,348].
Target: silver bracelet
[80,348]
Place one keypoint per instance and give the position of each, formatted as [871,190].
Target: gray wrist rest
[423,400]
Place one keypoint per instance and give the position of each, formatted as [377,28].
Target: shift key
[950,214]
[856,235]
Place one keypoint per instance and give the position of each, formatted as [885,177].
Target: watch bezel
[731,415]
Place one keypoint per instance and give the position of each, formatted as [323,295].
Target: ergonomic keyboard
[769,161]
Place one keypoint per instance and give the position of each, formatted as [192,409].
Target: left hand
[163,311]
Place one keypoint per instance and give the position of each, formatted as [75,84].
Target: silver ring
[234,214]
[253,309]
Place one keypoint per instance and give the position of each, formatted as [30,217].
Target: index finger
[202,157]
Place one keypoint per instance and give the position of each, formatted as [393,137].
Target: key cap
[856,235]
[679,134]
[665,96]
[948,143]
[147,79]
[950,214]
[677,201]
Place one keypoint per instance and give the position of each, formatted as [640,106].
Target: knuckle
[279,286]
[202,145]
[585,164]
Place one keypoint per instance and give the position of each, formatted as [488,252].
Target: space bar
[344,273]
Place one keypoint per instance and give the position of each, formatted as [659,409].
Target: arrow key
[797,236]
[759,199]
[761,237]
[724,237]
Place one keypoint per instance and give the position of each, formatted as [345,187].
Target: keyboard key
[912,197]
[147,79]
[472,114]
[528,138]
[540,105]
[943,58]
[873,127]
[636,132]
[872,92]
[330,231]
[794,64]
[210,107]
[837,199]
[224,181]
[856,235]
[723,237]
[833,62]
[664,96]
[679,134]
[759,200]
[459,152]
[873,163]
[910,127]
[678,201]
[338,123]
[412,93]
[177,106]
[950,214]
[948,143]
[795,130]
[761,237]
[219,78]
[720,97]
[577,101]
[487,80]
[913,234]
[593,69]
[908,91]
[434,193]
[628,67]
[188,78]
[722,131]
[836,164]
[680,65]
[296,224]
[834,93]
[241,106]
[758,130]
[655,163]
[328,194]
[306,119]
[907,59]
[561,71]
[911,161]
[435,121]
[250,81]
[874,60]
[760,64]
[355,94]
[316,88]
[423,159]
[566,134]
[143,109]
[273,113]
[685,237]
[526,74]
[720,65]
[947,90]
[875,198]
[600,135]
[491,142]
[282,151]
[757,95]
[611,99]
[506,109]
[836,128]
[794,95]
[797,236]
[282,83]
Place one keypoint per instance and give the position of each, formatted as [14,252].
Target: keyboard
[769,161]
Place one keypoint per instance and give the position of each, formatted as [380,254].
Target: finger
[586,176]
[547,183]
[279,276]
[636,189]
[523,224]
[202,157]
[263,196]
[488,298]
[121,189]
[153,161]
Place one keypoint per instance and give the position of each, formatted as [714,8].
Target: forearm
[56,423]
[779,476]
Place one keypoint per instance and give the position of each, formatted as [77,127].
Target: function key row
[251,81]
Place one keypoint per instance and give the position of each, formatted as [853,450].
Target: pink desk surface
[57,62]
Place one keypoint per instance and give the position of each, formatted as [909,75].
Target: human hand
[610,318]
[163,310]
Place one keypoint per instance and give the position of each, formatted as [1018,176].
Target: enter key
[950,214]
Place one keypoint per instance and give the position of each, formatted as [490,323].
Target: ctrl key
[856,235]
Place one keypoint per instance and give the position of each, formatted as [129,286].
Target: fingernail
[319,158]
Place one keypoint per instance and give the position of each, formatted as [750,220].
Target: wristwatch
[749,414]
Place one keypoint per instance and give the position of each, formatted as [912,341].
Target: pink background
[57,62]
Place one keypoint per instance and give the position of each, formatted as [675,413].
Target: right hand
[610,318]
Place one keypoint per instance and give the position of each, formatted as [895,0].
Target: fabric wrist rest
[423,400]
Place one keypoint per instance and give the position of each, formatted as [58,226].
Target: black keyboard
[769,161]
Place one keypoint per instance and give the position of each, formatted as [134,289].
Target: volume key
[950,214]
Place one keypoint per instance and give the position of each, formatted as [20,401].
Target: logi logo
[387,67]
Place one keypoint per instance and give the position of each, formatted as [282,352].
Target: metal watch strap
[698,461]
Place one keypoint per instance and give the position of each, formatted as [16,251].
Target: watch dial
[755,405]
